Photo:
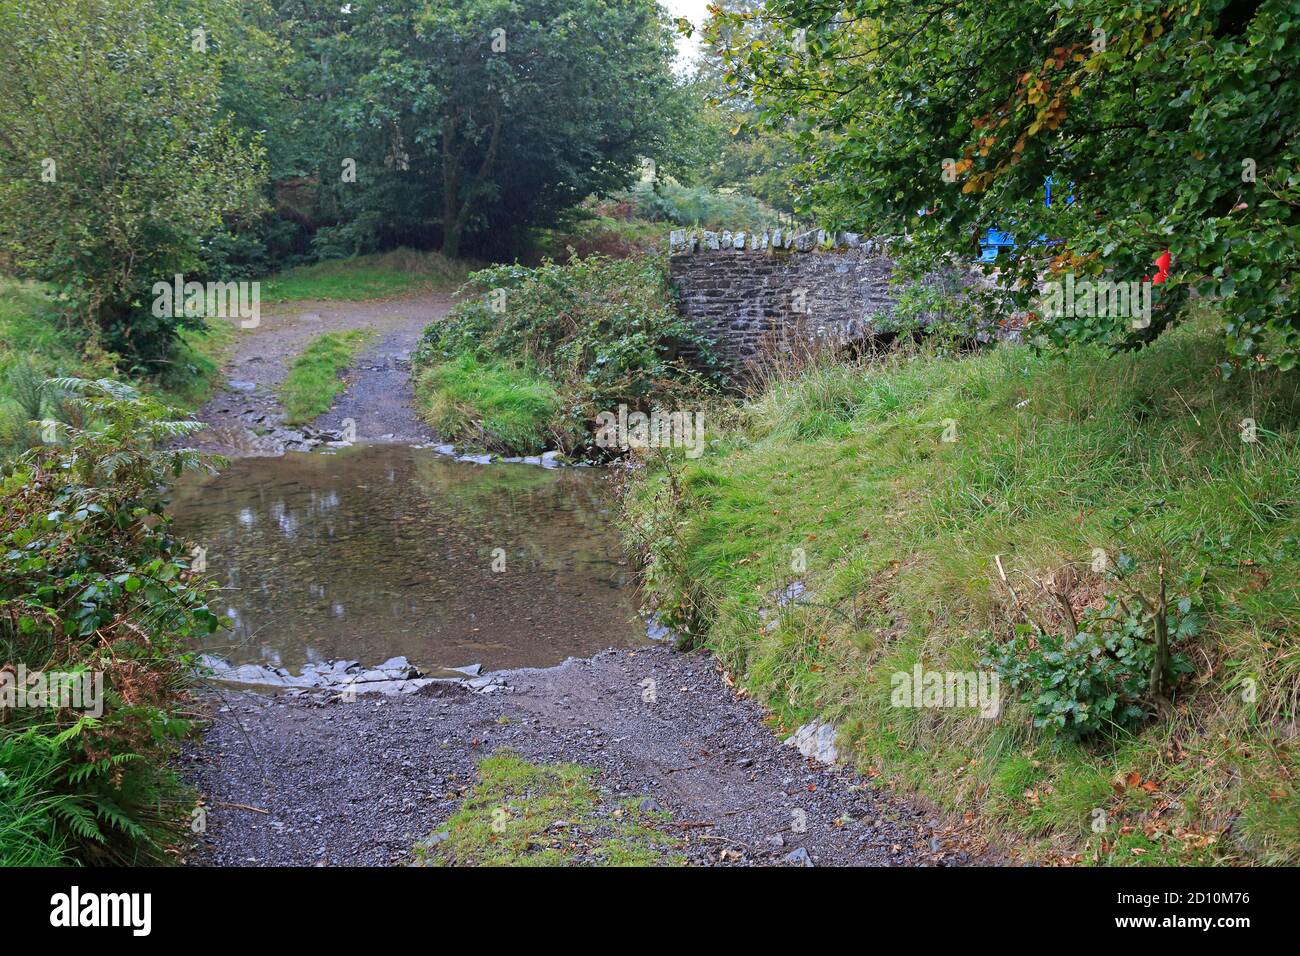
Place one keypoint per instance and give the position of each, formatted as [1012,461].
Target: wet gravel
[301,781]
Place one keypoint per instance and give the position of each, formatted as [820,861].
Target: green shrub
[491,405]
[146,168]
[91,581]
[603,331]
[1108,672]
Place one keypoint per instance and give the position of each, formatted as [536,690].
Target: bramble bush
[1109,671]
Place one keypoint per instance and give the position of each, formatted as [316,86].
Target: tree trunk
[451,221]
[454,212]
[451,230]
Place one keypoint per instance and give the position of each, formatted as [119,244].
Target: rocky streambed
[343,680]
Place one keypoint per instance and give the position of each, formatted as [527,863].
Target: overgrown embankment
[1131,502]
[529,357]
[38,342]
[97,608]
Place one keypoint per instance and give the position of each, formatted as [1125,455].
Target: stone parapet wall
[752,292]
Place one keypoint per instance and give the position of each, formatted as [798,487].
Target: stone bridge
[780,291]
[754,293]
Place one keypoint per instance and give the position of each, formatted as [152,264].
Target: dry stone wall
[779,290]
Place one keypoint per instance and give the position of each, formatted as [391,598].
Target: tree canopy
[475,120]
[1174,126]
[221,138]
[117,157]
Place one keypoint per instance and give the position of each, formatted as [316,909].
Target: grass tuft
[494,405]
[525,814]
[314,378]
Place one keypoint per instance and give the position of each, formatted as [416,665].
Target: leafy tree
[1173,123]
[117,159]
[750,155]
[485,117]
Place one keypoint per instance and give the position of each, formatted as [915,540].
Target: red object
[1162,269]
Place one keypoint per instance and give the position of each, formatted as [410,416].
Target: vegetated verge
[98,606]
[37,343]
[314,378]
[525,814]
[529,357]
[1116,538]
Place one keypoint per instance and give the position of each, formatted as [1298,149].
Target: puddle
[380,551]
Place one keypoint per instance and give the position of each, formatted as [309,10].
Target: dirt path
[306,780]
[359,783]
[244,418]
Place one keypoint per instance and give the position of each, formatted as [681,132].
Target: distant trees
[1175,125]
[472,121]
[141,138]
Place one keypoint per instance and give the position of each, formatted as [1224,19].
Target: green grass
[497,406]
[378,276]
[524,814]
[29,834]
[898,530]
[314,378]
[28,320]
[35,344]
[195,370]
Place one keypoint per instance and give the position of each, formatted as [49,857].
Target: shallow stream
[377,551]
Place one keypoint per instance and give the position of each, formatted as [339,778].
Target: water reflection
[388,550]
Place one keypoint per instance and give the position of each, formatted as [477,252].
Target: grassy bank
[888,491]
[529,357]
[36,344]
[98,597]
[377,276]
[314,378]
[496,405]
